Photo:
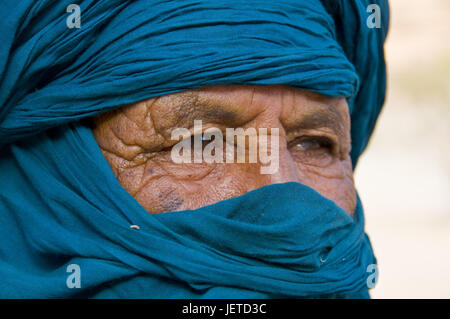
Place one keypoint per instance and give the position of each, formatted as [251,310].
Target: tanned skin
[314,145]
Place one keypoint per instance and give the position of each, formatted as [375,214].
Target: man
[109,119]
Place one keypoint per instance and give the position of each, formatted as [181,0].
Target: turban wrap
[60,204]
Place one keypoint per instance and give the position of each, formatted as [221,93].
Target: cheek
[160,185]
[335,181]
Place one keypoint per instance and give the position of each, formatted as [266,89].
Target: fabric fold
[128,51]
[60,204]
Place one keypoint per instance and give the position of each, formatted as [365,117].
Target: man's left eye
[310,143]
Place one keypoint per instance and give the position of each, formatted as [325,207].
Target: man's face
[313,145]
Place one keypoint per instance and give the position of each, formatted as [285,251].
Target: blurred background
[404,176]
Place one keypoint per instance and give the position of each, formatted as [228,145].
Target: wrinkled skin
[314,145]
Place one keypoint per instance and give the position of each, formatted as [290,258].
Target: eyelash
[321,143]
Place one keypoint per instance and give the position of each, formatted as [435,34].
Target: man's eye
[311,144]
[199,138]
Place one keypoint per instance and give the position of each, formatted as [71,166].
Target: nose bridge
[287,170]
[276,162]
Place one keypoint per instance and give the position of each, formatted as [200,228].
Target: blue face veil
[62,209]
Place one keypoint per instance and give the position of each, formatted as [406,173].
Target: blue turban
[60,204]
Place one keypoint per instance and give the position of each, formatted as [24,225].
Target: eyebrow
[219,113]
[323,116]
[187,108]
[190,107]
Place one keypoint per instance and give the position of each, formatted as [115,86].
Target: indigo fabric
[60,204]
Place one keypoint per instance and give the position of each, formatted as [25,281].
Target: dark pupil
[309,144]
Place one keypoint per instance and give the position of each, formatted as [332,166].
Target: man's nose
[286,170]
[272,102]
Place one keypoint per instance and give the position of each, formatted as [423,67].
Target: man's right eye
[202,138]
